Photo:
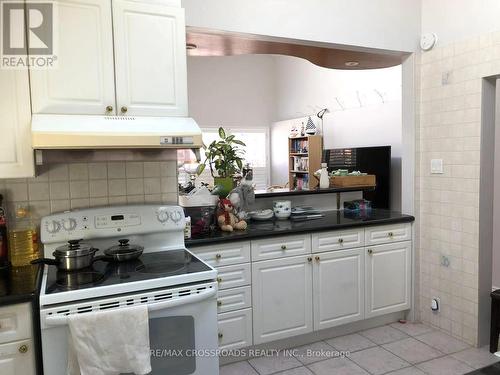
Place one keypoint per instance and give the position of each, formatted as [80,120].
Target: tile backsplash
[64,186]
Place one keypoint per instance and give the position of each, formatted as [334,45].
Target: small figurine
[226,219]
[242,198]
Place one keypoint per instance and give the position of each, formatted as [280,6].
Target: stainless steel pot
[73,256]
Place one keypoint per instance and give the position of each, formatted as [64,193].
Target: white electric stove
[178,288]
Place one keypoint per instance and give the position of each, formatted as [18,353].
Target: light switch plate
[437,166]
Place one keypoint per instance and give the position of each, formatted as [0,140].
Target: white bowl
[282,215]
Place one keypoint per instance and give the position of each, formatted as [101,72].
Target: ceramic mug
[282,209]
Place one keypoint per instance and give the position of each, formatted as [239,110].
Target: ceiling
[201,42]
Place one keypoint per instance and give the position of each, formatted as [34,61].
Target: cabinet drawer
[271,248]
[337,240]
[234,276]
[387,234]
[234,299]
[17,358]
[15,322]
[224,254]
[235,329]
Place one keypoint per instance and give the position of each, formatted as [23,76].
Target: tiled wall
[64,186]
[449,123]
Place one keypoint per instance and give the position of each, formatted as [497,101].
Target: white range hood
[108,132]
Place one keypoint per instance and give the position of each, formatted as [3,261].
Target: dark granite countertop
[330,221]
[19,284]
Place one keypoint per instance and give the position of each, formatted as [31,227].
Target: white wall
[454,20]
[232,91]
[385,24]
[303,88]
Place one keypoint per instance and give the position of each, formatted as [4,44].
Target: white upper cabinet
[16,154]
[83,82]
[150,58]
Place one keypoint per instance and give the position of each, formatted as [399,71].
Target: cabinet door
[388,278]
[282,298]
[235,329]
[16,358]
[16,154]
[83,81]
[338,284]
[150,59]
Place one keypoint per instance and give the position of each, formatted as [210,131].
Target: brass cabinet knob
[219,279]
[283,247]
[219,303]
[309,259]
[218,256]
[317,258]
[124,109]
[341,240]
[23,349]
[370,251]
[390,234]
[109,109]
[220,335]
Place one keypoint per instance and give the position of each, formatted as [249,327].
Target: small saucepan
[73,256]
[122,252]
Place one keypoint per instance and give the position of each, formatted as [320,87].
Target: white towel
[109,342]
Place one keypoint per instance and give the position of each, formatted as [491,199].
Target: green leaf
[240,163]
[200,169]
[222,133]
[238,142]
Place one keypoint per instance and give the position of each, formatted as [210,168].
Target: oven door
[182,333]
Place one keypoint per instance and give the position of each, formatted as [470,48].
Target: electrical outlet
[437,166]
[435,304]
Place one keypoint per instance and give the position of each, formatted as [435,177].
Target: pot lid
[74,248]
[124,246]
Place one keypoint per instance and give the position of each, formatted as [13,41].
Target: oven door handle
[208,293]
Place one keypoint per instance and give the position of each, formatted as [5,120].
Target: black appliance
[372,160]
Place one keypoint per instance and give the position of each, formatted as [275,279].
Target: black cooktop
[104,273]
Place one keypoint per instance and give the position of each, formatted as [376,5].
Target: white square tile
[337,366]
[59,190]
[442,342]
[476,357]
[38,191]
[79,189]
[135,186]
[58,172]
[412,351]
[78,172]
[351,343]
[134,169]
[59,205]
[412,329]
[238,368]
[378,361]
[116,170]
[98,188]
[117,187]
[384,334]
[168,185]
[98,171]
[444,366]
[271,364]
[16,192]
[314,352]
[152,169]
[152,185]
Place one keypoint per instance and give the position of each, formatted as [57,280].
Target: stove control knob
[176,216]
[53,226]
[69,224]
[162,216]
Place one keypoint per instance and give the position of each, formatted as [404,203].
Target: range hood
[113,132]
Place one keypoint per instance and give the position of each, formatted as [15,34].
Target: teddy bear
[226,219]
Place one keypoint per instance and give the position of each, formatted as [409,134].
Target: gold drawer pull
[219,303]
[370,251]
[219,280]
[124,109]
[283,247]
[23,349]
[309,259]
[220,335]
[109,109]
[218,256]
[390,234]
[341,240]
[317,258]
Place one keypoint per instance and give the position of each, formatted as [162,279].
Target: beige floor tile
[351,343]
[296,371]
[412,351]
[407,371]
[384,335]
[272,364]
[378,361]
[442,342]
[412,329]
[444,366]
[315,352]
[336,366]
[476,357]
[238,368]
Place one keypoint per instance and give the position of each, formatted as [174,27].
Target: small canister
[187,228]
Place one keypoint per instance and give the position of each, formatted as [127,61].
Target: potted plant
[225,159]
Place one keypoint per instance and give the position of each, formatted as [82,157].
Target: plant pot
[226,184]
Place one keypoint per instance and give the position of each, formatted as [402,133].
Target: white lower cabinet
[235,329]
[388,278]
[338,285]
[282,298]
[17,358]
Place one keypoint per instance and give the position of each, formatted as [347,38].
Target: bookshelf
[304,158]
